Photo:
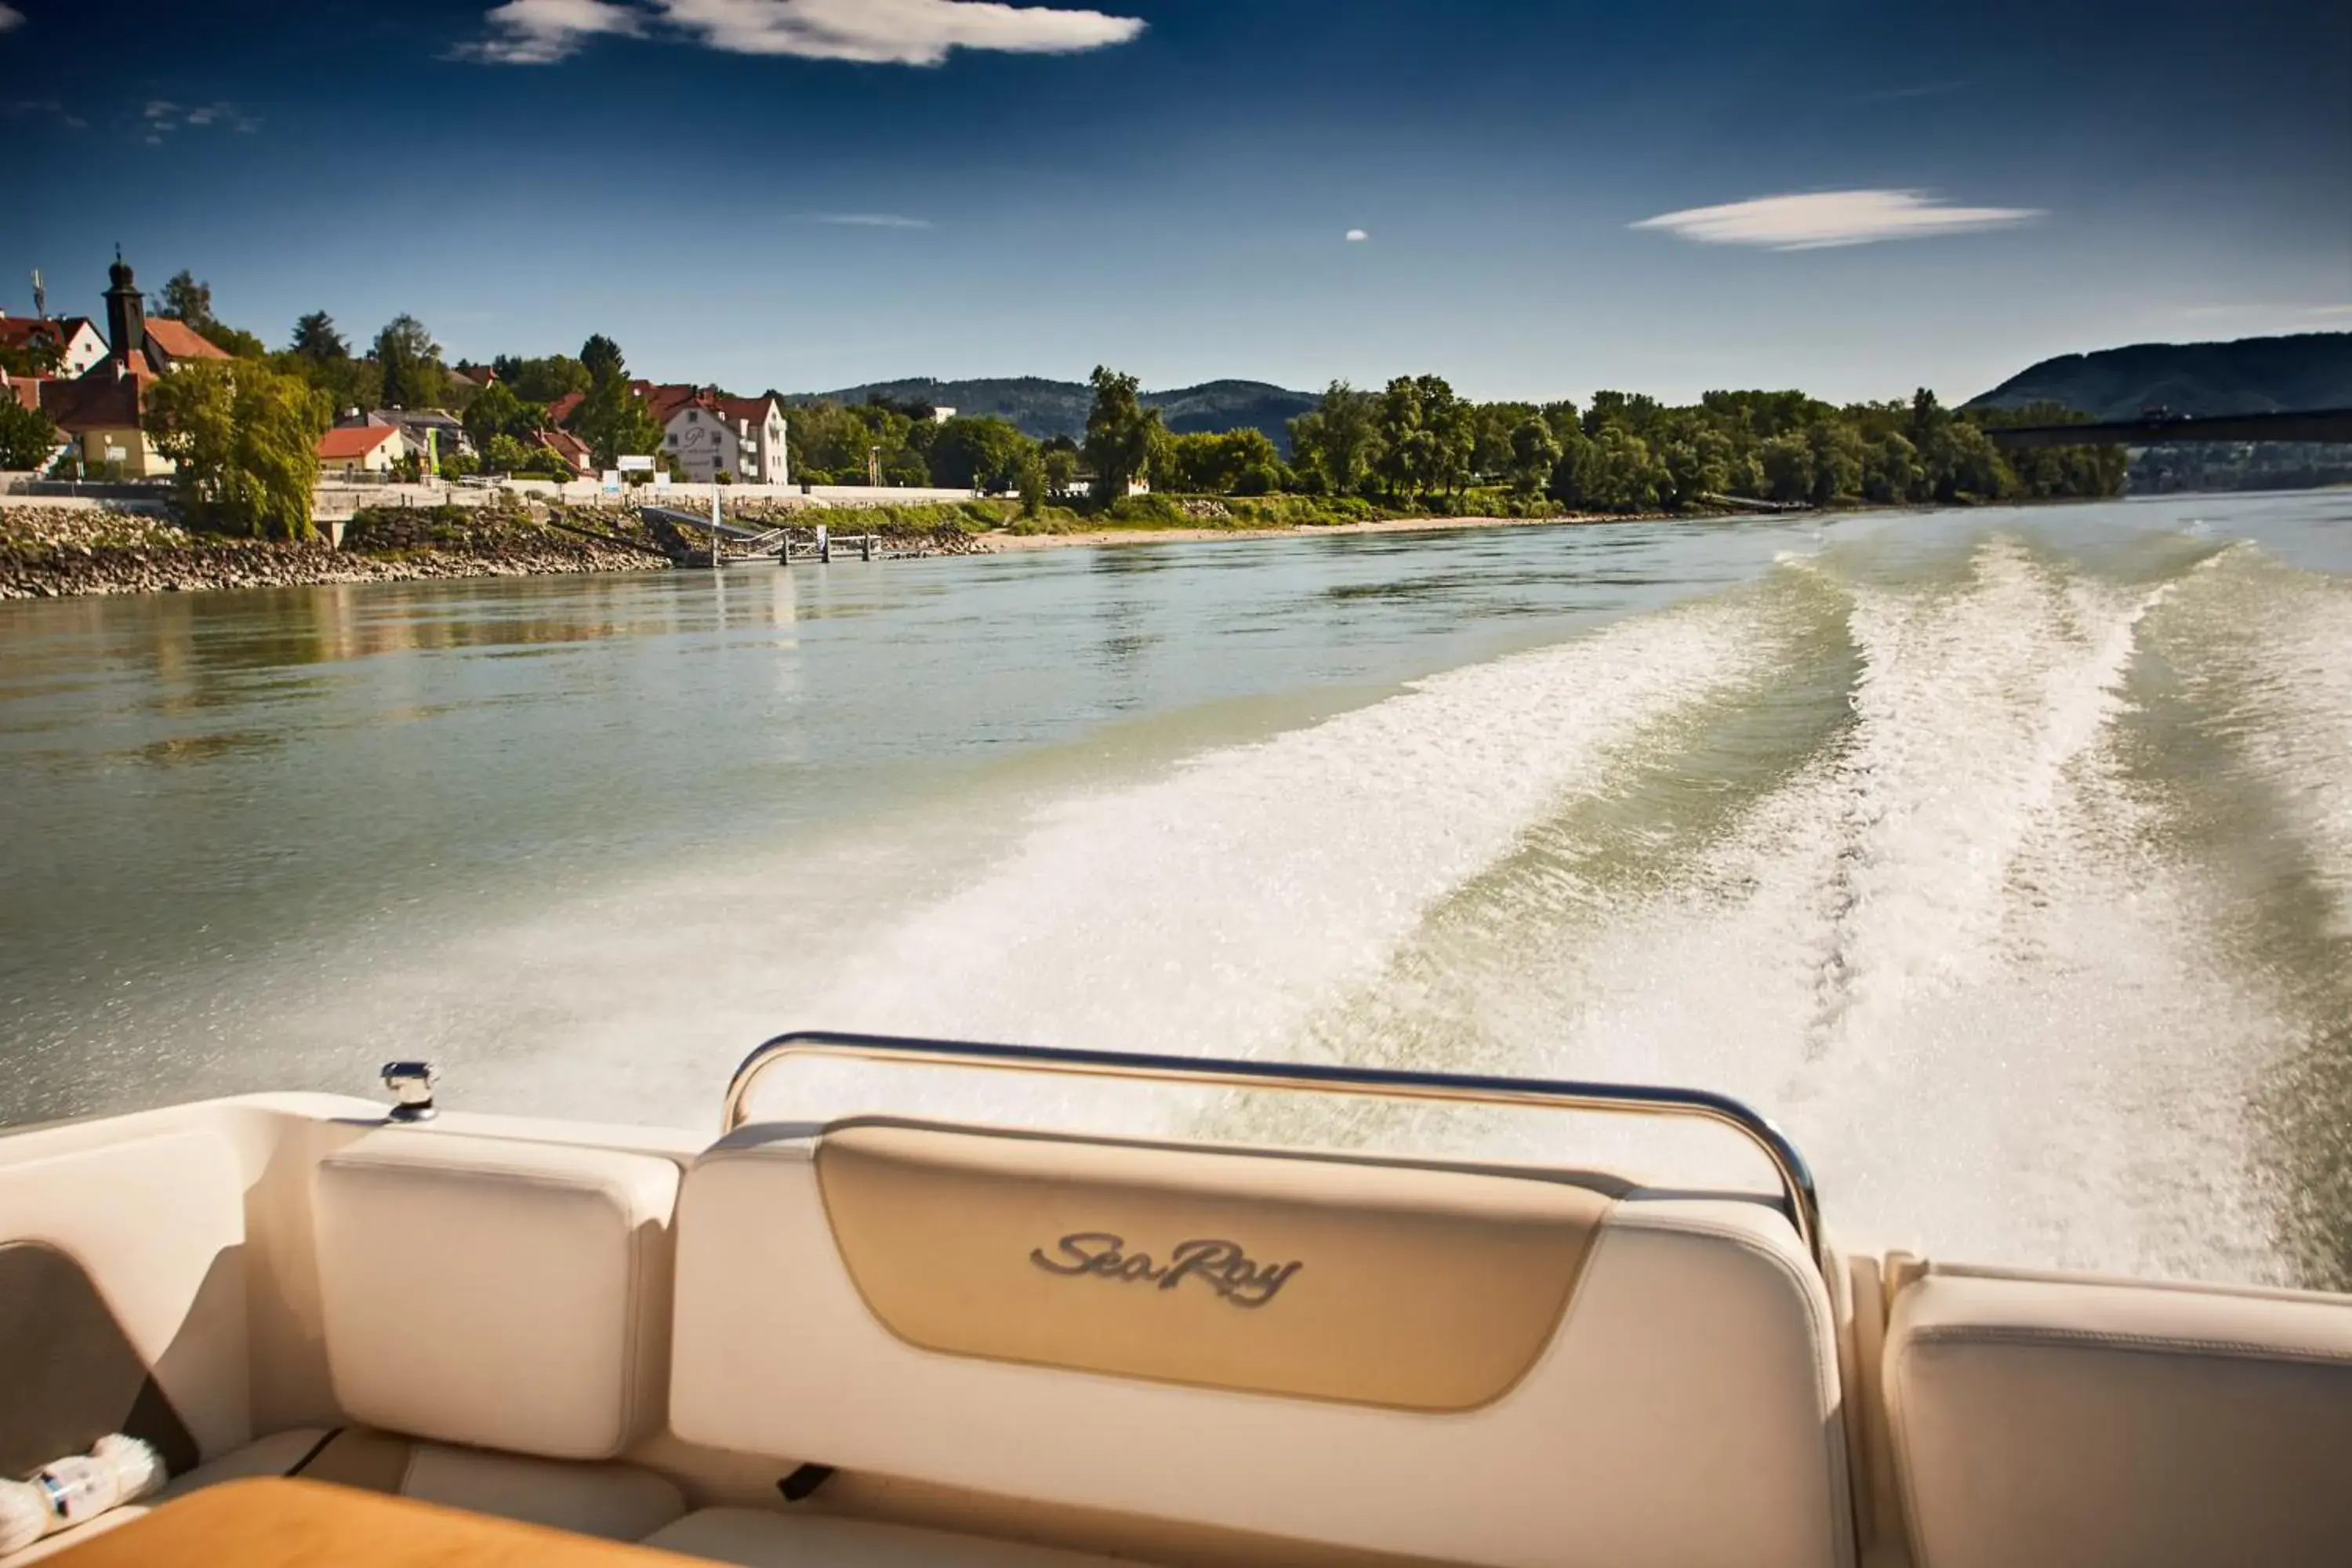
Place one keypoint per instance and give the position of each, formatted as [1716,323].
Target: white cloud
[541,32]
[870,220]
[159,117]
[1824,218]
[875,32]
[894,32]
[10,18]
[1357,237]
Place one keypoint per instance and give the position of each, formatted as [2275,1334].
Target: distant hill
[2252,375]
[1044,408]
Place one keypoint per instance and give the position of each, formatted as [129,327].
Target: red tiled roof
[107,397]
[180,340]
[752,411]
[562,409]
[568,447]
[18,332]
[353,442]
[664,402]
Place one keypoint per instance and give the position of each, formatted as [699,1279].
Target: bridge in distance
[2172,430]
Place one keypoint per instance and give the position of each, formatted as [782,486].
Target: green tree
[497,412]
[244,440]
[1534,451]
[504,454]
[978,453]
[1339,442]
[600,356]
[185,300]
[26,436]
[316,340]
[1061,464]
[1122,435]
[1788,463]
[410,361]
[1227,462]
[542,380]
[1032,485]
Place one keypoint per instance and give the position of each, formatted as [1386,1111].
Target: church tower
[126,314]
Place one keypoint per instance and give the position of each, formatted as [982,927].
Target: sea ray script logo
[1221,1266]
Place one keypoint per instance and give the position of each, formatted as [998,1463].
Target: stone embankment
[50,554]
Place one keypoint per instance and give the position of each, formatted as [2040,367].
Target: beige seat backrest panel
[2039,1420]
[122,1283]
[1683,1411]
[497,1292]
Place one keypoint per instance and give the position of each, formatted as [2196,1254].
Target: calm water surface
[2005,858]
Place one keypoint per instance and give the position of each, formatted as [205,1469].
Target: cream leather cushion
[756,1539]
[497,1292]
[2039,1420]
[1683,1413]
[619,1502]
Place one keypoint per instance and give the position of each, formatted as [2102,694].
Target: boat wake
[1892,848]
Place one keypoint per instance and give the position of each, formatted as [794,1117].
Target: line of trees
[1416,443]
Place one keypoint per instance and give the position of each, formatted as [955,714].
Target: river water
[2004,857]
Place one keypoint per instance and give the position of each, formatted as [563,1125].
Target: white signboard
[117,454]
[612,482]
[637,465]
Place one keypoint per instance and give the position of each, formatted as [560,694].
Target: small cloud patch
[1826,218]
[1357,237]
[10,18]
[162,118]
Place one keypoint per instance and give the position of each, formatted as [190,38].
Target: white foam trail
[1204,913]
[1942,957]
[2271,651]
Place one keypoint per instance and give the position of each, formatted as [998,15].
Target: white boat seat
[2037,1420]
[497,1293]
[757,1538]
[1482,1367]
[619,1502]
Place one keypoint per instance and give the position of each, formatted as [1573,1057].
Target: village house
[74,339]
[706,432]
[709,435]
[103,408]
[435,433]
[569,447]
[361,451]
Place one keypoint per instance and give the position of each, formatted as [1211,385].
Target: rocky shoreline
[50,554]
[55,553]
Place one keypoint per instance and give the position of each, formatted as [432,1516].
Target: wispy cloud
[1825,218]
[44,108]
[873,32]
[161,118]
[1357,237]
[10,18]
[868,220]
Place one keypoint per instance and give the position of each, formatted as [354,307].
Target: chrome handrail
[1802,1202]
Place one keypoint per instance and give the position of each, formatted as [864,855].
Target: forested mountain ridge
[2250,375]
[1044,408]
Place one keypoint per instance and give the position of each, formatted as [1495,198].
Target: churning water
[2005,858]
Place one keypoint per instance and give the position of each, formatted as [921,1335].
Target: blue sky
[1532,199]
